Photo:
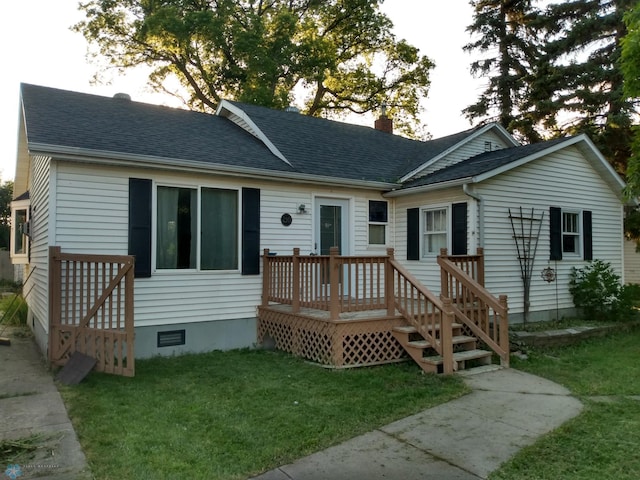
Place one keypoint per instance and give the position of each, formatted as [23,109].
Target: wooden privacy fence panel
[91,309]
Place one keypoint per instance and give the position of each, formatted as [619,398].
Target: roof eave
[147,161]
[429,188]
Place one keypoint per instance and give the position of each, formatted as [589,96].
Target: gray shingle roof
[325,147]
[77,120]
[313,146]
[482,163]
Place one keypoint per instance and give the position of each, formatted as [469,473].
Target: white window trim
[423,233]
[385,224]
[154,230]
[579,236]
[18,205]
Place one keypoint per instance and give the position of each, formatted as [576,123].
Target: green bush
[599,293]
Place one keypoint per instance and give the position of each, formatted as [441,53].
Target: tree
[341,53]
[505,36]
[630,66]
[6,195]
[577,86]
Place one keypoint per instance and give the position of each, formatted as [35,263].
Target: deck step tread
[458,356]
[412,329]
[457,340]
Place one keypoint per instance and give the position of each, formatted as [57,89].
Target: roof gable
[456,143]
[490,164]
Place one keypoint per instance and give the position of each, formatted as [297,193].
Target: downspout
[469,190]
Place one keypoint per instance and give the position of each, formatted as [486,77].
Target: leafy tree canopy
[630,65]
[340,54]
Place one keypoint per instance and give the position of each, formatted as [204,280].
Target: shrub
[13,310]
[598,292]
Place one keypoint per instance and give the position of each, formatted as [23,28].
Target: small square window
[378,217]
[378,211]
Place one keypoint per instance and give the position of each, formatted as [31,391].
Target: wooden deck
[343,312]
[355,339]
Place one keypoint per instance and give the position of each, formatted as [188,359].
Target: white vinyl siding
[427,269]
[468,150]
[92,217]
[38,268]
[563,179]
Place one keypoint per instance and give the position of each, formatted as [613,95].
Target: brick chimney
[384,123]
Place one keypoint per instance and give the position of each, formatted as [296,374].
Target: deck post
[54,300]
[480,266]
[389,291]
[444,278]
[295,301]
[446,336]
[266,277]
[504,331]
[334,283]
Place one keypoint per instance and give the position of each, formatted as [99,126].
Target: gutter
[109,158]
[427,188]
[469,189]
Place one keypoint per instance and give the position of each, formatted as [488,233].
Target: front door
[332,225]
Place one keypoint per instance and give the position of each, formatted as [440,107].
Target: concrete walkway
[30,405]
[465,439]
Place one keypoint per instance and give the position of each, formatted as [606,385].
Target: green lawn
[235,414]
[602,442]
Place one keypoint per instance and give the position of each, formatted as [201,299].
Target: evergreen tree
[577,86]
[507,40]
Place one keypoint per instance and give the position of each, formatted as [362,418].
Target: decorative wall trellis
[526,232]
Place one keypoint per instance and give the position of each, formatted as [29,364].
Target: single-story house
[196,198]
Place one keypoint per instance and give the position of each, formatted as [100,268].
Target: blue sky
[42,50]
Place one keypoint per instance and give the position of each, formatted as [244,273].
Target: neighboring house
[197,197]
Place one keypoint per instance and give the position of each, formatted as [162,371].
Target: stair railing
[474,306]
[431,316]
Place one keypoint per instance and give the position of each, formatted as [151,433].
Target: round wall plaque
[286,219]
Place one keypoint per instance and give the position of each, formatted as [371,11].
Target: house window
[20,231]
[378,218]
[435,231]
[197,228]
[570,232]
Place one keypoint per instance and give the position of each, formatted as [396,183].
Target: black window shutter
[140,225]
[459,228]
[587,237]
[555,236]
[250,231]
[413,234]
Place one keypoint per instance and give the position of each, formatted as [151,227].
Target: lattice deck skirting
[349,342]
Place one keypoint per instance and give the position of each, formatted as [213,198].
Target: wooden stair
[465,349]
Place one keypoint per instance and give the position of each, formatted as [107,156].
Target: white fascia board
[253,128]
[501,131]
[428,188]
[118,159]
[591,153]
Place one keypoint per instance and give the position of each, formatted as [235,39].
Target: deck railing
[345,284]
[325,282]
[486,317]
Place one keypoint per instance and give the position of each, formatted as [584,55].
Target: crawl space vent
[171,338]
